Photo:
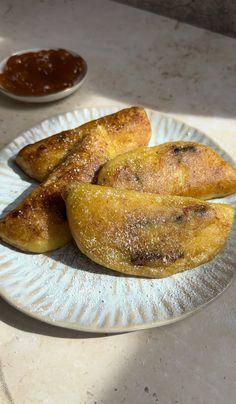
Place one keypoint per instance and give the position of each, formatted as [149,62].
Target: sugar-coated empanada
[175,168]
[145,234]
[39,159]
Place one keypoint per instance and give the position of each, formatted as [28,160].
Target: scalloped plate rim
[92,330]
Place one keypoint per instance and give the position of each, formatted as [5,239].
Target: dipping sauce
[41,73]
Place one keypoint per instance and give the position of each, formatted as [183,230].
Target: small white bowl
[49,97]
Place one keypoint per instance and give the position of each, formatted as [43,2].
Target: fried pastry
[39,159]
[39,223]
[145,234]
[175,168]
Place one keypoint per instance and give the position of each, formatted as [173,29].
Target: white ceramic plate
[66,289]
[50,97]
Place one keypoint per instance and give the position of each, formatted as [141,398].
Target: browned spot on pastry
[56,204]
[201,210]
[197,210]
[179,218]
[17,213]
[42,148]
[145,258]
[185,148]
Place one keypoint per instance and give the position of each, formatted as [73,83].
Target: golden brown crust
[39,223]
[175,168]
[39,159]
[144,234]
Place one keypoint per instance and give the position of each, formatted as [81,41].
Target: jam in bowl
[42,74]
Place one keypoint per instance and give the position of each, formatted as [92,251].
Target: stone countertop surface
[134,57]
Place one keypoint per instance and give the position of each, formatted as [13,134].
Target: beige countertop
[134,57]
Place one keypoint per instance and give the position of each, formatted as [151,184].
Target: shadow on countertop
[217,16]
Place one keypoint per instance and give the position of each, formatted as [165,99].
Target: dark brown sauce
[41,73]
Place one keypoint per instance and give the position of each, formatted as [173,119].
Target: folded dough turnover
[175,168]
